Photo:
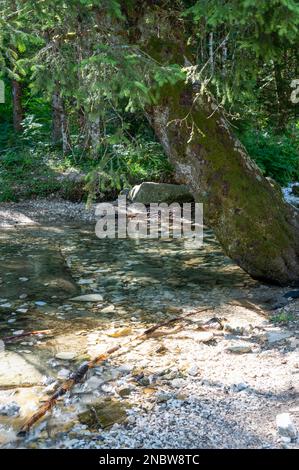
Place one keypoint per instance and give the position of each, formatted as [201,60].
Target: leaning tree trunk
[254,225]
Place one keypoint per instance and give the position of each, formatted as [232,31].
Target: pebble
[109,309]
[239,349]
[66,355]
[240,387]
[40,303]
[63,374]
[88,298]
[177,383]
[204,337]
[163,397]
[193,370]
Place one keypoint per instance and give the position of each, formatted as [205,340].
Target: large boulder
[147,193]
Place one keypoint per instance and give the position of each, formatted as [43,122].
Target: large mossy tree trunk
[254,225]
[248,214]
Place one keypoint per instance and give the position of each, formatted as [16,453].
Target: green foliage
[283,318]
[276,155]
[123,165]
[89,53]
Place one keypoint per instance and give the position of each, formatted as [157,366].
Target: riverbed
[216,380]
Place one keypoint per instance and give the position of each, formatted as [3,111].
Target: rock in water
[88,298]
[104,414]
[66,355]
[149,192]
[10,409]
[292,294]
[285,426]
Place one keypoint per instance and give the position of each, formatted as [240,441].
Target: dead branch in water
[23,335]
[80,373]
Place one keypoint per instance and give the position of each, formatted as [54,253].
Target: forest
[181,101]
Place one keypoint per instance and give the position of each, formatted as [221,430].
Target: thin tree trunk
[66,144]
[282,98]
[94,129]
[60,130]
[56,118]
[18,113]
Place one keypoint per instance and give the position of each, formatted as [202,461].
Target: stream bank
[218,381]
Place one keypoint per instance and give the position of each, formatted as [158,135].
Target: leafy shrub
[276,155]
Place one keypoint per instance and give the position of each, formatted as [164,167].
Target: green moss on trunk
[256,228]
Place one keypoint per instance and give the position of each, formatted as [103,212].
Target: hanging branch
[80,373]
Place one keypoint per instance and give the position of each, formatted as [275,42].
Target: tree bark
[18,113]
[248,214]
[60,131]
[254,225]
[56,118]
[94,132]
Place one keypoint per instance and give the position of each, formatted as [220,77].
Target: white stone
[109,309]
[63,374]
[18,332]
[285,425]
[204,336]
[88,298]
[239,348]
[83,282]
[66,355]
[193,370]
[177,383]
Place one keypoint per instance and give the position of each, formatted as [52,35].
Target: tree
[18,114]
[254,225]
[182,62]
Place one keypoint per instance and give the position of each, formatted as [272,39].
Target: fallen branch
[80,373]
[23,335]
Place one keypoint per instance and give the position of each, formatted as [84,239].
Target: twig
[80,373]
[23,335]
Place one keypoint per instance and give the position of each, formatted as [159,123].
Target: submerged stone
[88,298]
[66,355]
[104,414]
